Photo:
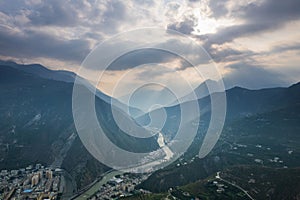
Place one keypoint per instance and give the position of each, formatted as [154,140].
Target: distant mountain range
[241,103]
[36,119]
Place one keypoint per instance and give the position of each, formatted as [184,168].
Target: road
[237,186]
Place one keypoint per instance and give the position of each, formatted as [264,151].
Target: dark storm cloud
[253,77]
[30,44]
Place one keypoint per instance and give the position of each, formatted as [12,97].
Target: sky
[254,43]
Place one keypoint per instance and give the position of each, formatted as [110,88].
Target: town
[123,185]
[33,182]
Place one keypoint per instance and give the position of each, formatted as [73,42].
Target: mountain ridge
[36,115]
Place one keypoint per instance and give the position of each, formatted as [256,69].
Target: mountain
[241,102]
[265,142]
[200,92]
[258,181]
[36,126]
[256,120]
[64,76]
[244,102]
[43,72]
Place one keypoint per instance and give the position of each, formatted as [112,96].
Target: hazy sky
[256,43]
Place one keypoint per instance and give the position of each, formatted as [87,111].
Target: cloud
[218,8]
[153,72]
[253,77]
[286,47]
[185,27]
[145,2]
[140,57]
[42,13]
[269,15]
[184,22]
[62,30]
[254,18]
[113,16]
[192,52]
[227,54]
[31,44]
[54,12]
[66,31]
[228,34]
[274,12]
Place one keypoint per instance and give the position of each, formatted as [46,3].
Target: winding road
[240,188]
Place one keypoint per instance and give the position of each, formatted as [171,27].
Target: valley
[260,135]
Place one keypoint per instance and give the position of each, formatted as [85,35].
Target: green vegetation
[147,197]
[267,142]
[260,140]
[266,182]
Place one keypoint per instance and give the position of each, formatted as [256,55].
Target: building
[35,180]
[49,174]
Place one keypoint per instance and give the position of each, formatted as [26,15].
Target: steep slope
[36,126]
[35,117]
